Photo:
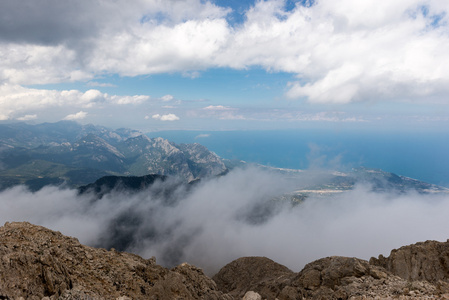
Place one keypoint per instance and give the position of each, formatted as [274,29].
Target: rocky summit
[38,263]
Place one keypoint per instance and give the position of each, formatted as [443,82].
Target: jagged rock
[421,261]
[37,262]
[339,277]
[327,278]
[330,271]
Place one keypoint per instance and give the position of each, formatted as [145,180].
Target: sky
[226,65]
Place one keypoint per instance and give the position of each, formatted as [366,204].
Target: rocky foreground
[37,263]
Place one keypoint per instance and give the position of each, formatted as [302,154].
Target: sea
[419,155]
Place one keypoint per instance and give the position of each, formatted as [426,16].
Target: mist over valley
[213,211]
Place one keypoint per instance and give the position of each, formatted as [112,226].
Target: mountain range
[68,153]
[73,154]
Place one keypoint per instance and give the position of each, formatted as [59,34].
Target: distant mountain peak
[80,150]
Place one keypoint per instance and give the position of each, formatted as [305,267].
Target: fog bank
[232,216]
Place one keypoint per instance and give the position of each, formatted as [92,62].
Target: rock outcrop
[421,261]
[259,274]
[38,263]
[339,277]
[333,277]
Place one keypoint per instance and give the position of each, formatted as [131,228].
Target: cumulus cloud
[40,64]
[228,217]
[54,22]
[78,116]
[351,51]
[167,98]
[345,52]
[123,100]
[16,99]
[75,41]
[167,117]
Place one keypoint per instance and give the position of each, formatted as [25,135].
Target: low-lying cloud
[224,218]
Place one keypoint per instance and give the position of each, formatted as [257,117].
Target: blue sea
[420,155]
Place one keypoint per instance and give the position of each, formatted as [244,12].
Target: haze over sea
[419,155]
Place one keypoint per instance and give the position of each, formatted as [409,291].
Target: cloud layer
[231,216]
[340,52]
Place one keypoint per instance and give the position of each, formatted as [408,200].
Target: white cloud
[16,99]
[167,98]
[27,118]
[37,64]
[78,116]
[350,51]
[92,96]
[341,51]
[186,46]
[167,117]
[59,42]
[123,100]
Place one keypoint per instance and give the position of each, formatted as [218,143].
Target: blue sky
[226,65]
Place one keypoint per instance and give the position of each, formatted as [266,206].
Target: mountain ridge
[30,152]
[70,154]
